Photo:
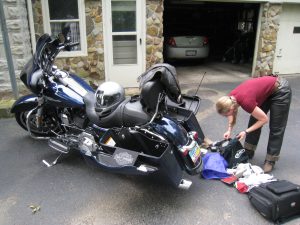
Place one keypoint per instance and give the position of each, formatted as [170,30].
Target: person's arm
[262,119]
[231,120]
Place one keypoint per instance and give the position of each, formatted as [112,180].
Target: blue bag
[214,166]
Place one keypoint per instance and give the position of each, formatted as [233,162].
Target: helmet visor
[106,100]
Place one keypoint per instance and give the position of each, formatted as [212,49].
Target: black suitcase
[276,201]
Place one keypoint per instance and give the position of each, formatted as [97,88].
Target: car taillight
[205,41]
[172,42]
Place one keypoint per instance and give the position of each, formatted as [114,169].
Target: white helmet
[108,96]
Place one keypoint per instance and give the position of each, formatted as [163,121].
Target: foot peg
[54,162]
[58,146]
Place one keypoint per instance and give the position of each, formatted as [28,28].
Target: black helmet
[108,96]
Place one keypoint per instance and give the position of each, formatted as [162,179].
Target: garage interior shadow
[230,28]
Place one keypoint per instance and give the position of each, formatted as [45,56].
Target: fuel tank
[70,95]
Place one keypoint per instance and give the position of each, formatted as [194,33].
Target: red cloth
[241,187]
[253,92]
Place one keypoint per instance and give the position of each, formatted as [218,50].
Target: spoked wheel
[47,125]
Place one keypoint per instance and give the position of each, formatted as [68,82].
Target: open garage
[230,29]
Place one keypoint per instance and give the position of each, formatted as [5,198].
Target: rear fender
[25,103]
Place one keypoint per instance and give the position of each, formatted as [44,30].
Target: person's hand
[241,135]
[227,134]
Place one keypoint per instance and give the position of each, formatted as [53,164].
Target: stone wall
[154,38]
[267,39]
[19,38]
[37,18]
[90,67]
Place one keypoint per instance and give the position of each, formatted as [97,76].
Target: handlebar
[73,44]
[63,82]
[51,50]
[70,45]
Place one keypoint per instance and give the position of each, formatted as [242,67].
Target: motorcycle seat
[127,114]
[134,114]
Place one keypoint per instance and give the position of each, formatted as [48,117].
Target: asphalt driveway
[74,193]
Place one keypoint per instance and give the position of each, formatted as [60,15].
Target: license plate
[195,153]
[190,52]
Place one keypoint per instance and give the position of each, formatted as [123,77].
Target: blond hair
[225,104]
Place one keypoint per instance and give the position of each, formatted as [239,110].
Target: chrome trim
[146,168]
[191,145]
[70,81]
[28,126]
[154,134]
[58,146]
[185,184]
[54,162]
[75,86]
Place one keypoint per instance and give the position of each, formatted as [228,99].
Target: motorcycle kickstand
[54,162]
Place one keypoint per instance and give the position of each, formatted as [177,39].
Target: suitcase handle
[282,186]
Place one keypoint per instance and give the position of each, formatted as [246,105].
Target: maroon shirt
[253,92]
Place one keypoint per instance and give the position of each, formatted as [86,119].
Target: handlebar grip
[61,80]
[70,45]
[73,44]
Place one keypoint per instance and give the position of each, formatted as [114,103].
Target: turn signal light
[205,40]
[172,42]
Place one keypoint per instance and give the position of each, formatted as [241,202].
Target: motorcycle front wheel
[48,123]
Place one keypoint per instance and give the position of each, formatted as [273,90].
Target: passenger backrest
[149,94]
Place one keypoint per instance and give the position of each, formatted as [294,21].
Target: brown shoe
[268,166]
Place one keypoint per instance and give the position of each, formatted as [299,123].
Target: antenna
[196,95]
[200,83]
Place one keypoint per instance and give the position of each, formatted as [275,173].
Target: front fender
[25,103]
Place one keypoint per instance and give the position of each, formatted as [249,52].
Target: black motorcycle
[154,132]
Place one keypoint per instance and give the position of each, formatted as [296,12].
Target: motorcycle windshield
[42,41]
[33,64]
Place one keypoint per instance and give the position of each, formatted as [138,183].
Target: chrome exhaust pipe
[185,184]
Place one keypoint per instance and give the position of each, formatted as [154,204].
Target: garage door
[287,55]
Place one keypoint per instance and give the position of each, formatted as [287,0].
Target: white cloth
[250,175]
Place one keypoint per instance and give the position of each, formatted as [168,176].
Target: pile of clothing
[227,160]
[248,176]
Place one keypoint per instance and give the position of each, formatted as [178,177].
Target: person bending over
[258,96]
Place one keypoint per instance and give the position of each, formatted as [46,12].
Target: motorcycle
[155,132]
[56,95]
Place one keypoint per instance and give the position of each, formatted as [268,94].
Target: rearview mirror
[66,32]
[61,38]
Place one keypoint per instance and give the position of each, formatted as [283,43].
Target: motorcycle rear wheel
[43,131]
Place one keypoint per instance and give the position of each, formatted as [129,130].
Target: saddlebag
[132,151]
[277,200]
